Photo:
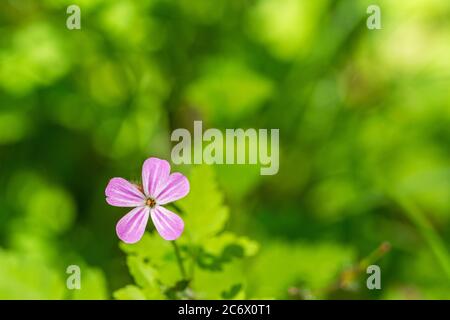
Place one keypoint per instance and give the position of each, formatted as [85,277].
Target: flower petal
[155,173]
[169,225]
[176,188]
[121,193]
[132,226]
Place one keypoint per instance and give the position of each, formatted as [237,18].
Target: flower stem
[179,260]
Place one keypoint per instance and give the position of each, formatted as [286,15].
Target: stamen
[150,202]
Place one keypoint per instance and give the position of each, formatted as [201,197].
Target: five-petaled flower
[159,187]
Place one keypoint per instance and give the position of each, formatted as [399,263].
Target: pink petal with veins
[155,173]
[169,225]
[177,187]
[121,193]
[132,226]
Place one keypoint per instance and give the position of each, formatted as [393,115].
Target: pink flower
[159,187]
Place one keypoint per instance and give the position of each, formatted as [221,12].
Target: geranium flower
[159,187]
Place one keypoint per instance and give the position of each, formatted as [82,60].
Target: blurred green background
[364,119]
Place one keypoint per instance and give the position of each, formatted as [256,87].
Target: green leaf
[218,245]
[208,284]
[158,254]
[143,273]
[151,246]
[204,212]
[179,290]
[223,249]
[129,292]
[232,292]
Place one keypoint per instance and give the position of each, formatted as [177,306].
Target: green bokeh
[364,119]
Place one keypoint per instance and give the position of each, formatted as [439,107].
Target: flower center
[150,202]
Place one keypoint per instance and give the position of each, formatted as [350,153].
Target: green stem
[179,260]
[377,254]
[177,252]
[427,231]
[350,275]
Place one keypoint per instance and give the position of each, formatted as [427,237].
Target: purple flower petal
[121,193]
[155,173]
[169,225]
[176,188]
[132,226]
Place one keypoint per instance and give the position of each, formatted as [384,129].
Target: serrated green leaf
[151,246]
[159,255]
[211,285]
[223,249]
[218,244]
[143,273]
[204,212]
